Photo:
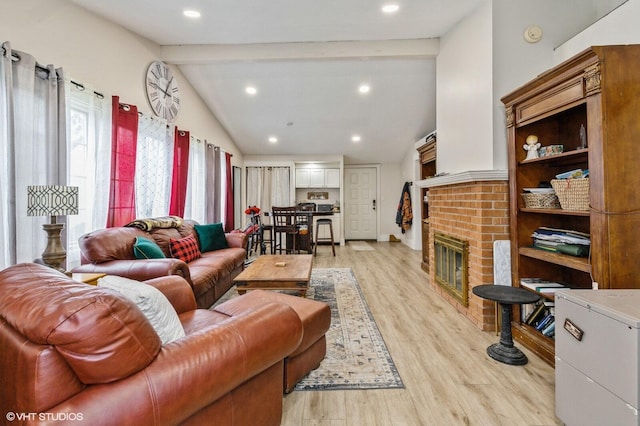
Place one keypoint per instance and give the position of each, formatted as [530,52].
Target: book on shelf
[536,315]
[551,290]
[550,329]
[544,322]
[537,284]
[577,250]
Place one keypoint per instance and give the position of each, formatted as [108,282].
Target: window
[89,148]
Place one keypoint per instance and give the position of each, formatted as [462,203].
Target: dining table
[305,240]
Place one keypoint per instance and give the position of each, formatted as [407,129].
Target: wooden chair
[285,224]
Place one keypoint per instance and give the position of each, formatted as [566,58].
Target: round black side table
[504,351]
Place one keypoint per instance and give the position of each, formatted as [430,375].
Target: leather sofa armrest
[237,239]
[140,270]
[191,373]
[177,290]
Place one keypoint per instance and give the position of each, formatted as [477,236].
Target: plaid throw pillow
[185,249]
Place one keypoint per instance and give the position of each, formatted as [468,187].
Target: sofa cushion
[144,248]
[101,335]
[211,237]
[153,304]
[185,249]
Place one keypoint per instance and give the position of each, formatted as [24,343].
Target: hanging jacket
[404,215]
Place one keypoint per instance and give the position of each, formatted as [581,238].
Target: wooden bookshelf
[427,154]
[598,90]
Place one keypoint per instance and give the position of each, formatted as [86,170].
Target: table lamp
[53,200]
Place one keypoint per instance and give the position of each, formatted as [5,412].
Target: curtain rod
[16,58]
[82,88]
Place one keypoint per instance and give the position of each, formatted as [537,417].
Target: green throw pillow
[144,248]
[211,237]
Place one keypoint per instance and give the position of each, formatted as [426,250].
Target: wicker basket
[572,193]
[540,201]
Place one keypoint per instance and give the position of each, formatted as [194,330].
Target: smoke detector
[533,34]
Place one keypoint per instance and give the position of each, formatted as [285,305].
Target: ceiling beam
[209,53]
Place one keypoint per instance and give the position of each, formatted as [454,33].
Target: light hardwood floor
[439,353]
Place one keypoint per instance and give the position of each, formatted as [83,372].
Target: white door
[360,203]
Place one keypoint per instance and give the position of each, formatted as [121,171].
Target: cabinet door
[302,178]
[332,178]
[316,178]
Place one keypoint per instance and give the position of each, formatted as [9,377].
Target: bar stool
[267,239]
[325,222]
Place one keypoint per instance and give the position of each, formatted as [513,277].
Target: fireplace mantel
[464,177]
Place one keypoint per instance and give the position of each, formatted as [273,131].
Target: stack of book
[541,316]
[542,286]
[563,241]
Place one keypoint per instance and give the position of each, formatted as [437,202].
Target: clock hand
[167,89]
[153,84]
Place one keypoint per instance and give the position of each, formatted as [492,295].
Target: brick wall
[477,212]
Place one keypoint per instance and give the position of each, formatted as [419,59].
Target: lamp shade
[52,200]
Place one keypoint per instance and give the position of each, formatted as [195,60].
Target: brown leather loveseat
[111,251]
[78,354]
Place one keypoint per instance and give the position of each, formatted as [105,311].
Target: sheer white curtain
[89,141]
[33,145]
[154,165]
[195,204]
[268,187]
[280,186]
[7,178]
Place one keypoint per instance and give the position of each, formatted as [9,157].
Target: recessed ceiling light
[364,88]
[355,138]
[390,8]
[273,139]
[251,90]
[191,13]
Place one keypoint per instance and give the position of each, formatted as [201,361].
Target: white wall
[410,172]
[619,27]
[516,61]
[485,57]
[94,51]
[464,92]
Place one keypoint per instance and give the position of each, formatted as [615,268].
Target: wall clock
[162,91]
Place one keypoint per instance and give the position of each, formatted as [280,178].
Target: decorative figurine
[531,147]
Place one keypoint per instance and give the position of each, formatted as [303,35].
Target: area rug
[360,246]
[357,357]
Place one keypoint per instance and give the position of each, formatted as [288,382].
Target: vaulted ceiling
[306,60]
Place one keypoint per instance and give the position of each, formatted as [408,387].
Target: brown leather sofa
[74,352]
[110,251]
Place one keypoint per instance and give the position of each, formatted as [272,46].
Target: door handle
[374,204]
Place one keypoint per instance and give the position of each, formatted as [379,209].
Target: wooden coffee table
[266,274]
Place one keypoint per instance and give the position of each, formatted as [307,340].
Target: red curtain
[180,173]
[229,225]
[124,139]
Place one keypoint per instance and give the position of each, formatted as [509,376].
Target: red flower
[252,210]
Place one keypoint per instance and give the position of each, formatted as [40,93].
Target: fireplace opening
[451,259]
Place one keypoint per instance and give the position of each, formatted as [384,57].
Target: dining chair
[285,224]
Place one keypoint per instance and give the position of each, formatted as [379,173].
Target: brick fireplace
[471,206]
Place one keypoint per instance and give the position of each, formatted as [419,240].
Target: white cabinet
[332,178]
[302,178]
[317,178]
[597,342]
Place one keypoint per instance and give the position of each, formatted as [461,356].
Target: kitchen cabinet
[332,178]
[317,178]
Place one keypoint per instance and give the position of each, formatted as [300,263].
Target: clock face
[162,91]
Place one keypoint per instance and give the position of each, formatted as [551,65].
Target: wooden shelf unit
[427,154]
[600,90]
